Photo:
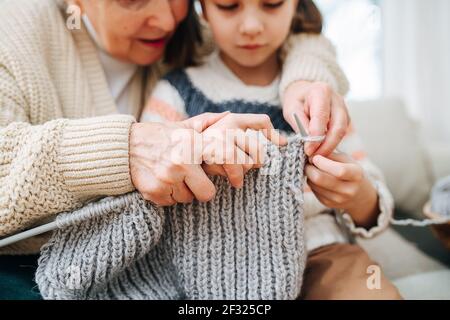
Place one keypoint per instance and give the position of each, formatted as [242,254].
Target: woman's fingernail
[239,185]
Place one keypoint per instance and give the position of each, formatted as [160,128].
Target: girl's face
[249,31]
[136,31]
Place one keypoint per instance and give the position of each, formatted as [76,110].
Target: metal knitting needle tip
[302,130]
[304,136]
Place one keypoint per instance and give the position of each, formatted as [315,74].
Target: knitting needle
[305,137]
[28,234]
[44,228]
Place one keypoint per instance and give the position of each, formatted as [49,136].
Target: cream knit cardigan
[62,142]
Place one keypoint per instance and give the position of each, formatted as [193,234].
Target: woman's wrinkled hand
[165,162]
[169,162]
[236,144]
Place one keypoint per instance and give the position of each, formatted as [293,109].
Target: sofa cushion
[425,286]
[399,257]
[392,141]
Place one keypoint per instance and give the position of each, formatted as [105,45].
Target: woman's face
[135,31]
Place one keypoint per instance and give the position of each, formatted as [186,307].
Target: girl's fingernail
[314,158]
[308,151]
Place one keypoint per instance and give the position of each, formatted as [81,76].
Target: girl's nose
[251,25]
[162,16]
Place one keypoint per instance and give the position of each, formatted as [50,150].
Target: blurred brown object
[441,231]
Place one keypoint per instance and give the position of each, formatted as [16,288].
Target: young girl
[242,76]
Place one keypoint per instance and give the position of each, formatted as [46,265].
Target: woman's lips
[153,43]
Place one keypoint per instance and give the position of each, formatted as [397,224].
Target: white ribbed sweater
[62,142]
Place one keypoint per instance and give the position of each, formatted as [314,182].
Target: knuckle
[314,177]
[358,176]
[146,196]
[232,117]
[233,172]
[154,192]
[340,131]
[354,191]
[287,112]
[322,113]
[341,200]
[338,199]
[165,175]
[187,199]
[323,87]
[341,173]
[265,120]
[349,192]
[173,166]
[169,203]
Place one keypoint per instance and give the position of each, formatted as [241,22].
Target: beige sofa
[411,167]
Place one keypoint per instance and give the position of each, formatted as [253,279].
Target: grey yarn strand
[440,203]
[245,244]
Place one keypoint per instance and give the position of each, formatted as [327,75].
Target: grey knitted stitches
[245,244]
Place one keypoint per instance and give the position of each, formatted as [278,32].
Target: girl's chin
[250,63]
[251,60]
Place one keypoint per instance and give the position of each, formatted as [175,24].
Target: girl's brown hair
[182,49]
[308,18]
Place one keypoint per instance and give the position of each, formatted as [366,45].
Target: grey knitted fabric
[440,197]
[245,244]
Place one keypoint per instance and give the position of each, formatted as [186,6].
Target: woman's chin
[145,59]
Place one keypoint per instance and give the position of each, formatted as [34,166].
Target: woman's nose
[162,16]
[251,25]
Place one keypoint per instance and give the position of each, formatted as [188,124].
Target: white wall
[416,61]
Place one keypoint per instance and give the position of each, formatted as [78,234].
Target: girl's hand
[339,182]
[233,146]
[321,111]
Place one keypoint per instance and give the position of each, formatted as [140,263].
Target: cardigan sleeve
[58,165]
[312,57]
[354,147]
[385,204]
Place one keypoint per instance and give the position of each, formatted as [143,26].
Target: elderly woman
[69,100]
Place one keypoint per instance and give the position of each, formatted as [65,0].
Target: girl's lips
[156,43]
[251,46]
